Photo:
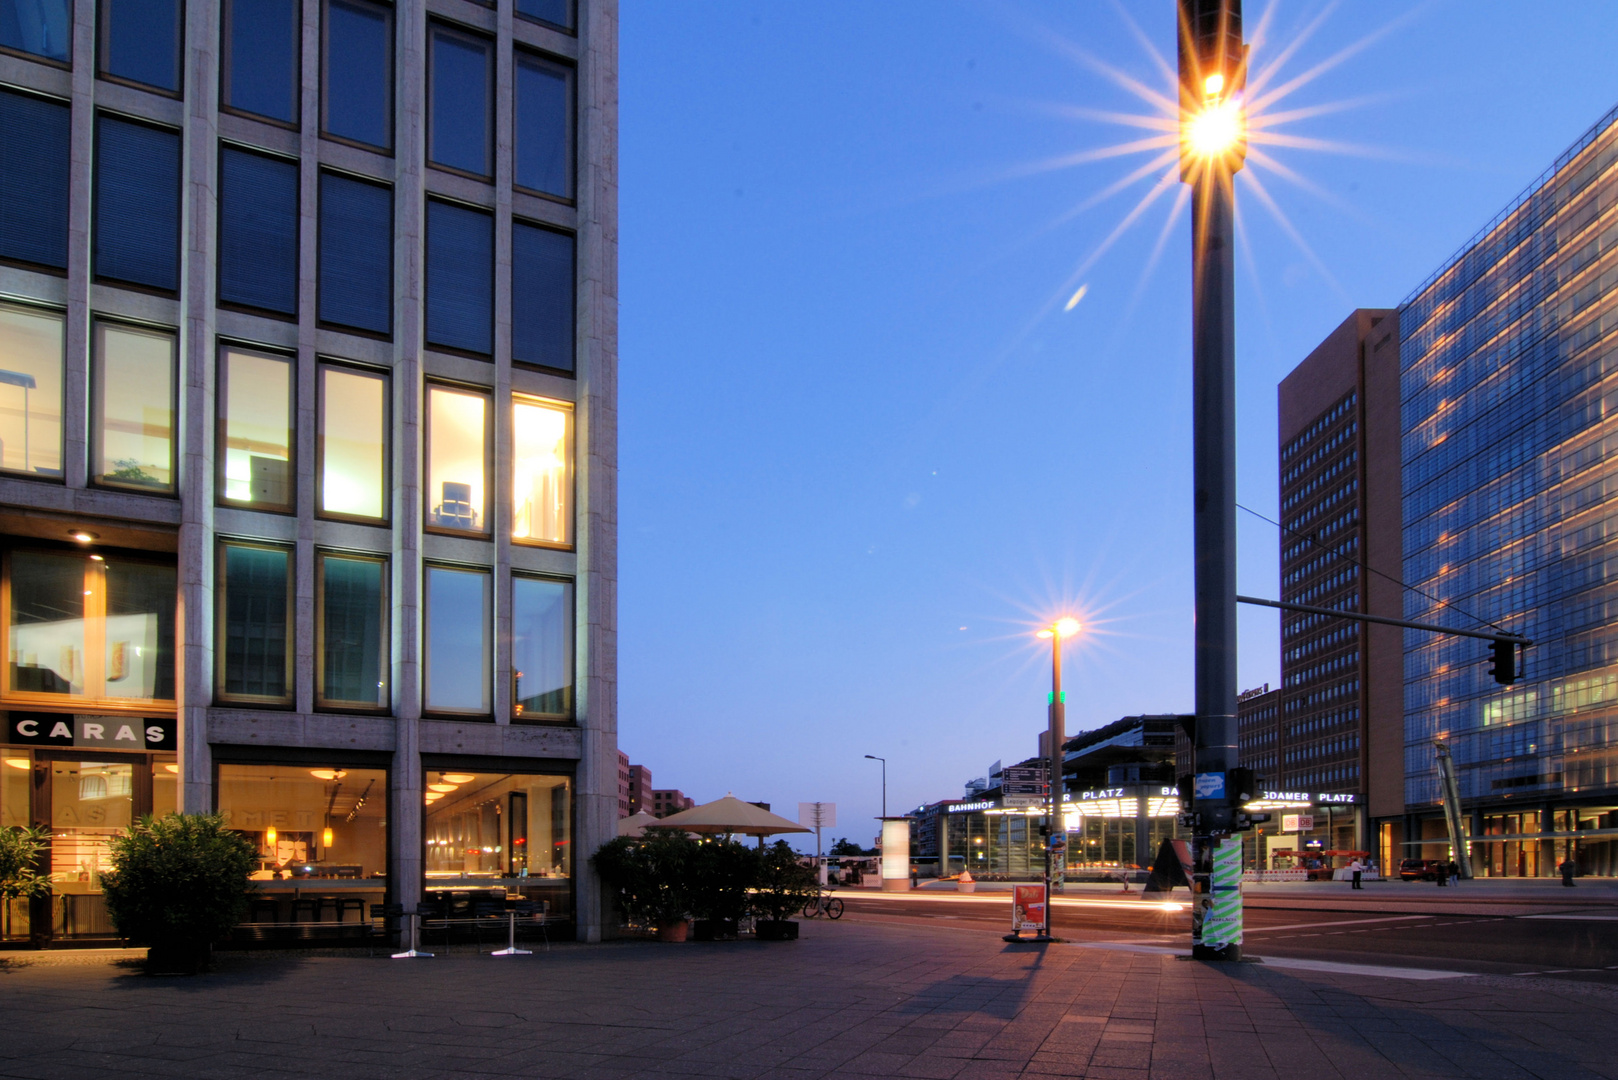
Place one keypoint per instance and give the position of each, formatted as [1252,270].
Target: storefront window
[512,832]
[353,443]
[542,471]
[457,640]
[542,647]
[255,429]
[32,344]
[134,408]
[255,616]
[457,458]
[94,628]
[353,622]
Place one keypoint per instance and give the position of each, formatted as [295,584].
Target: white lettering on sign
[125,734]
[1168,791]
[981,804]
[1286,796]
[59,730]
[154,734]
[1336,798]
[1103,793]
[92,731]
[28,728]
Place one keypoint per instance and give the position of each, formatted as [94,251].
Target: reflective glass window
[139,629]
[542,296]
[542,470]
[136,229]
[254,623]
[356,253]
[314,825]
[258,231]
[543,122]
[460,277]
[356,64]
[352,444]
[260,69]
[499,830]
[133,408]
[460,100]
[556,12]
[457,640]
[352,654]
[32,347]
[541,647]
[457,459]
[34,156]
[255,429]
[140,40]
[37,27]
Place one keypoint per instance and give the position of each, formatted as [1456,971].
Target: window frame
[487,573]
[491,92]
[573,274]
[222,600]
[571,718]
[30,698]
[97,385]
[386,376]
[24,91]
[572,409]
[226,11]
[62,65]
[297,231]
[223,346]
[61,444]
[489,501]
[95,204]
[321,703]
[393,78]
[102,28]
[572,154]
[393,218]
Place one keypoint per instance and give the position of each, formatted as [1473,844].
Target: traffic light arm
[1497,637]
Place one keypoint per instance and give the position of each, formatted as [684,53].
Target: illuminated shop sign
[965,807]
[91,732]
[1337,798]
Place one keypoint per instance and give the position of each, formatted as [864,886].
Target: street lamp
[884,762]
[1213,146]
[1056,633]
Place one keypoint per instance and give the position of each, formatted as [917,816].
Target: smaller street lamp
[884,762]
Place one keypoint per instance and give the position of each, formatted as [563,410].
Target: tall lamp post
[884,762]
[1056,833]
[1213,74]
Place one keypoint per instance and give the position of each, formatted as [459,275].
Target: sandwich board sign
[1028,908]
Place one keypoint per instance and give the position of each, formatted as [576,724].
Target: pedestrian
[1568,870]
[1454,872]
[1440,873]
[1356,869]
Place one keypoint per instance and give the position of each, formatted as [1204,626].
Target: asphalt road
[1570,940]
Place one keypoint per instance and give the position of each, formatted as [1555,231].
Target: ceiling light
[328,774]
[17,762]
[457,777]
[82,536]
[442,789]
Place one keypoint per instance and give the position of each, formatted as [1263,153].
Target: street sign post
[817,816]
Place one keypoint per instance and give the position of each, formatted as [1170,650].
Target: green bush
[723,872]
[651,875]
[178,882]
[784,883]
[20,850]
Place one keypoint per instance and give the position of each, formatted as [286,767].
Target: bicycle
[829,906]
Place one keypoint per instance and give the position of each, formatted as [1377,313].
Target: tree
[20,850]
[845,846]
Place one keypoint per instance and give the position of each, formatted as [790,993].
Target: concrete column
[1143,831]
[306,636]
[195,659]
[75,387]
[597,450]
[943,843]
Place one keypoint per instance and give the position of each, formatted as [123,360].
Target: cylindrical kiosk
[895,854]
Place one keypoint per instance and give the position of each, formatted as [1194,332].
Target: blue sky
[865,450]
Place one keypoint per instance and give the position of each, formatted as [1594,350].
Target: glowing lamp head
[269,837]
[1213,86]
[325,837]
[1067,627]
[1216,129]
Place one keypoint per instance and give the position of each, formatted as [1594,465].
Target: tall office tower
[308,441]
[1340,729]
[1510,461]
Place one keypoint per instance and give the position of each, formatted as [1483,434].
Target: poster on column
[1028,908]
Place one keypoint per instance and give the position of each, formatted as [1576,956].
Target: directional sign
[1025,780]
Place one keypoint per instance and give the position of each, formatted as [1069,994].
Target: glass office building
[308,443]
[1510,468]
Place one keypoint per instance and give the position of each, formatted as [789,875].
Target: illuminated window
[457,459]
[352,654]
[254,624]
[541,647]
[255,429]
[515,831]
[457,640]
[32,346]
[352,446]
[542,471]
[133,380]
[92,629]
[310,821]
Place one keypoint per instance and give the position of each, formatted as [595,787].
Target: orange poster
[1028,907]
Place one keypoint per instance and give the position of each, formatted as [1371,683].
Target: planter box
[674,931]
[713,930]
[776,930]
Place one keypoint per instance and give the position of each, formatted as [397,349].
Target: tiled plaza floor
[849,1000]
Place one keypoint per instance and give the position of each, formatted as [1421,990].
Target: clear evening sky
[865,450]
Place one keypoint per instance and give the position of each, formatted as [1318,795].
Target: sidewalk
[848,1000]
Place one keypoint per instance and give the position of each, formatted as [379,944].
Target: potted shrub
[178,884]
[722,873]
[784,886]
[651,877]
[20,879]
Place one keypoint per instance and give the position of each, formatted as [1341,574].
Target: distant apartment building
[623,785]
[640,789]
[670,801]
[1258,733]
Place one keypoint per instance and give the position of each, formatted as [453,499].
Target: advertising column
[895,854]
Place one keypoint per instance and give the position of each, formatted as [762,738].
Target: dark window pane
[258,231]
[352,632]
[357,72]
[34,158]
[140,630]
[544,137]
[356,253]
[261,63]
[47,623]
[255,622]
[40,27]
[459,124]
[460,277]
[140,41]
[457,640]
[542,300]
[542,646]
[555,12]
[137,204]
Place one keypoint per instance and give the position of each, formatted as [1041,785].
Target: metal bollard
[511,939]
[414,918]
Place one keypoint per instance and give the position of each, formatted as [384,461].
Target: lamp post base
[1226,953]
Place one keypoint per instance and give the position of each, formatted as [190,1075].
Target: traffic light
[1241,786]
[1505,662]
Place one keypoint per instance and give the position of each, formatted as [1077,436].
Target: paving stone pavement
[848,1000]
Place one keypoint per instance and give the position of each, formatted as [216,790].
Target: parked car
[1420,869]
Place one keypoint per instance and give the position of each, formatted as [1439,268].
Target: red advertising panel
[1028,908]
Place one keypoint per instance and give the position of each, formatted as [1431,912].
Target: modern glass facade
[1510,470]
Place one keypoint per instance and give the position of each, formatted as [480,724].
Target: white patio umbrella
[729,816]
[635,824]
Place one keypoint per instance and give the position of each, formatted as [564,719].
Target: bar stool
[265,909]
[350,903]
[306,909]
